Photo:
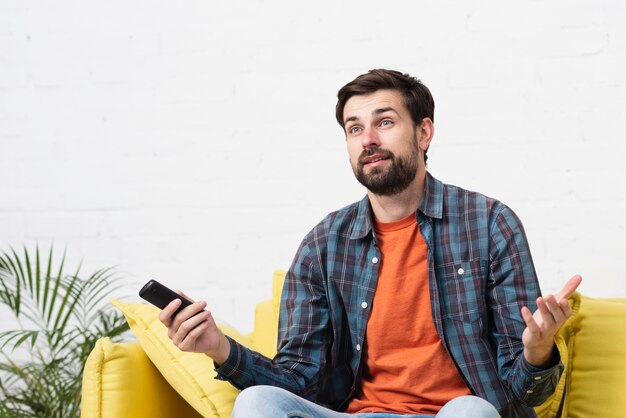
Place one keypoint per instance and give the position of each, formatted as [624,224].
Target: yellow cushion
[278,280]
[120,381]
[265,329]
[597,356]
[190,374]
[266,318]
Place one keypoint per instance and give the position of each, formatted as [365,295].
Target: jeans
[273,402]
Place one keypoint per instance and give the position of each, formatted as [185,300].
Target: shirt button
[358,347]
[375,260]
[537,377]
[460,271]
[364,305]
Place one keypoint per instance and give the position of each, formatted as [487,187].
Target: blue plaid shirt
[480,274]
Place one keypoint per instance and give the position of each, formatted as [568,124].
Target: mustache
[379,151]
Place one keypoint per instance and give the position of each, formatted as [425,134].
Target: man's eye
[386,122]
[355,130]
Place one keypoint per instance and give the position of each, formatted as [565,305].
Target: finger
[190,342]
[184,295]
[569,288]
[193,322]
[188,326]
[544,310]
[188,312]
[530,321]
[555,310]
[166,314]
[566,308]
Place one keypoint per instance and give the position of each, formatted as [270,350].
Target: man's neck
[399,206]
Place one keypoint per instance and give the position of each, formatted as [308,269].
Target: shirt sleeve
[304,336]
[513,284]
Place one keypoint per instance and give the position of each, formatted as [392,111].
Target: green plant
[59,318]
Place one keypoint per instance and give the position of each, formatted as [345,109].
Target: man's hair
[417,97]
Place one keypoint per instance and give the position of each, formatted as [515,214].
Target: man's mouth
[373,159]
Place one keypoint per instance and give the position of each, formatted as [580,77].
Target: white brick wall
[195,142]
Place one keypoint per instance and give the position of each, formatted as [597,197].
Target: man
[414,301]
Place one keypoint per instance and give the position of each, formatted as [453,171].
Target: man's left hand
[542,326]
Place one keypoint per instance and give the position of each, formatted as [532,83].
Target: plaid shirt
[480,274]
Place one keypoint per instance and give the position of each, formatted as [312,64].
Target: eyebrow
[374,112]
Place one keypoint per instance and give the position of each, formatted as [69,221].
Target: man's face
[382,141]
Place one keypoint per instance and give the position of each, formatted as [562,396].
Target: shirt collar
[363,222]
[431,206]
[432,199]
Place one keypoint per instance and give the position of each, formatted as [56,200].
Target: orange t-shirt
[406,368]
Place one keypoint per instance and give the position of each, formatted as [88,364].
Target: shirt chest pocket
[463,285]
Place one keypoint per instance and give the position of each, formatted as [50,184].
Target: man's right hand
[194,330]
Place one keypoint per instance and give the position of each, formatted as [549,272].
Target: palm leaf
[7,293]
[9,269]
[66,315]
[17,338]
[60,291]
[48,278]
[55,282]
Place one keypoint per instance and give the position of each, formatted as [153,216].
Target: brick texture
[195,142]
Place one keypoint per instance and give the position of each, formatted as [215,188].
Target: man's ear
[425,132]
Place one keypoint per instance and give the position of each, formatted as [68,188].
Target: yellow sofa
[152,378]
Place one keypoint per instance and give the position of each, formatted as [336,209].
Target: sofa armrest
[119,380]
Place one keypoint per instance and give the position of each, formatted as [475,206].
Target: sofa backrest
[265,334]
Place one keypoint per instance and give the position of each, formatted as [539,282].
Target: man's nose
[370,139]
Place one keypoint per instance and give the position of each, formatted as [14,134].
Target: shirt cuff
[555,360]
[536,383]
[232,364]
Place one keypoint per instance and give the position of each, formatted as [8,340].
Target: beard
[388,181]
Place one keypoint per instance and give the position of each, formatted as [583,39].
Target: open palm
[542,325]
